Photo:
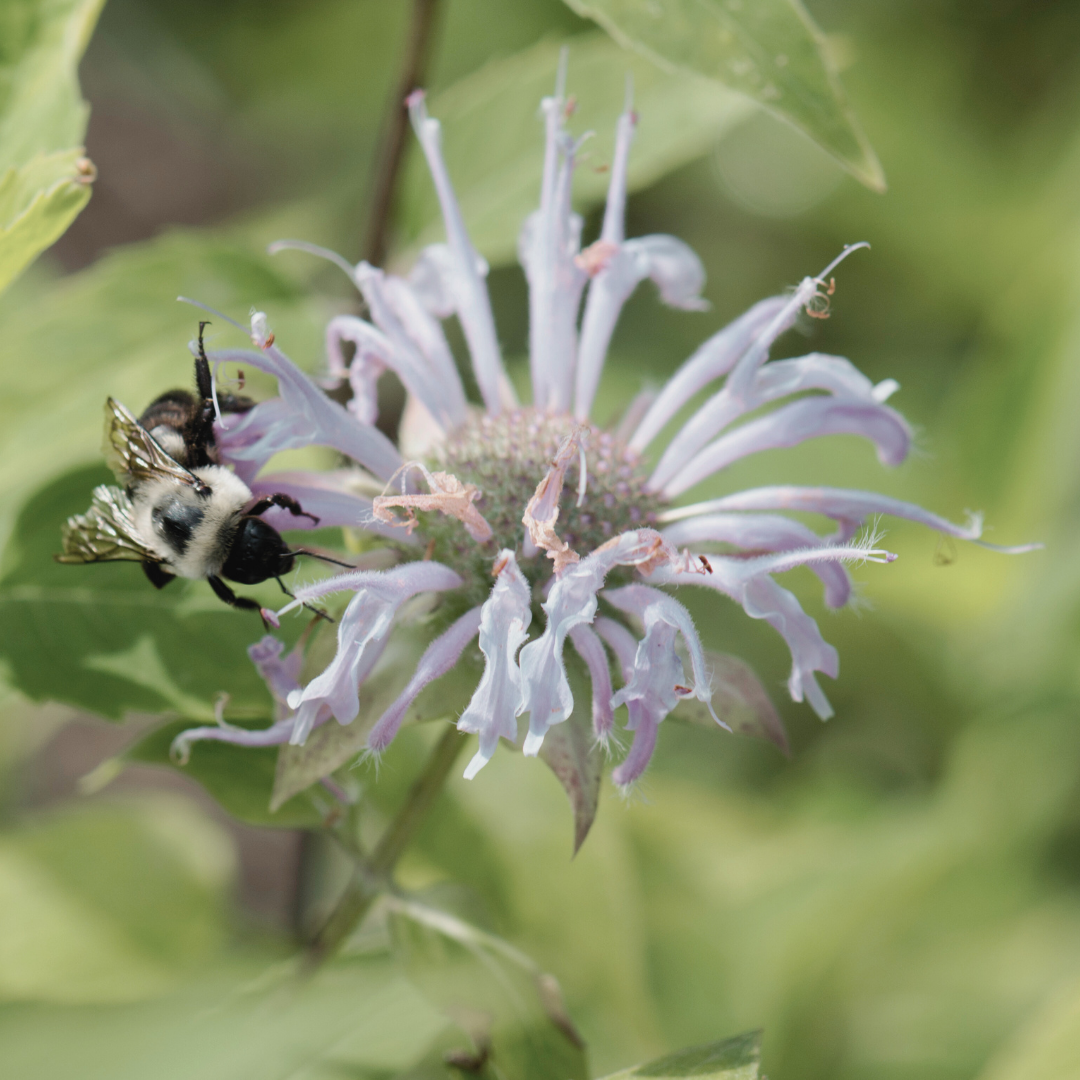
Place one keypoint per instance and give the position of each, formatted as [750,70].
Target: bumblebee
[179,511]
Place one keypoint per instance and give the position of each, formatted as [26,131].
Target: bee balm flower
[531,519]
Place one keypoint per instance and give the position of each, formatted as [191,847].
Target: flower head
[531,516]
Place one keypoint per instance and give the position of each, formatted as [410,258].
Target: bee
[179,511]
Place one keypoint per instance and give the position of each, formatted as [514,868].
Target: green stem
[374,874]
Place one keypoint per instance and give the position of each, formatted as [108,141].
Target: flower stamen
[542,510]
[448,495]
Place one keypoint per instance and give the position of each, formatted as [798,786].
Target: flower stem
[373,874]
[392,142]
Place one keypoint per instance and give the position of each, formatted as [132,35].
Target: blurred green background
[901,898]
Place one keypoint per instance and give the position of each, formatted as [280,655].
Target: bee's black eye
[257,553]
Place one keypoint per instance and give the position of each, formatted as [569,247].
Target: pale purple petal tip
[589,647]
[641,749]
[504,624]
[302,416]
[362,634]
[715,358]
[792,424]
[545,689]
[466,278]
[439,657]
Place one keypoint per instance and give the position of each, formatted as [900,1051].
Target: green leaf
[41,109]
[769,50]
[737,1058]
[240,778]
[739,700]
[38,201]
[494,142]
[497,994]
[44,178]
[357,1019]
[110,902]
[571,752]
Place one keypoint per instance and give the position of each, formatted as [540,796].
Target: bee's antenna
[318,612]
[324,558]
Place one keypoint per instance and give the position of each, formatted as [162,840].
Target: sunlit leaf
[110,903]
[41,109]
[38,201]
[512,1011]
[44,178]
[737,1058]
[493,139]
[769,50]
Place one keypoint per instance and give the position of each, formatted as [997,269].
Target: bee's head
[257,553]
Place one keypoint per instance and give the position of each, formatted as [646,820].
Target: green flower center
[506,456]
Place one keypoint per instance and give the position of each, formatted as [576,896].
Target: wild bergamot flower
[526,516]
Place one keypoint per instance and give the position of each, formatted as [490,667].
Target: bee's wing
[106,532]
[133,454]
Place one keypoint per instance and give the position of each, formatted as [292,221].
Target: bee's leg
[198,431]
[159,578]
[286,502]
[242,602]
[317,612]
[202,371]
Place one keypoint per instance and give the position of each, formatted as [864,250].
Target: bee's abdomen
[173,409]
[166,419]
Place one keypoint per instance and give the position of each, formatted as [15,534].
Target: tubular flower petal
[496,478]
[764,532]
[655,682]
[504,625]
[546,693]
[617,268]
[711,361]
[362,634]
[589,647]
[419,353]
[463,271]
[439,657]
[781,379]
[373,354]
[302,416]
[654,608]
[792,424]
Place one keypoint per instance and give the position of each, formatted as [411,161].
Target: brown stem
[374,874]
[392,141]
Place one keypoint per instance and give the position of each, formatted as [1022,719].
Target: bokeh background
[898,900]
